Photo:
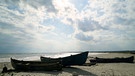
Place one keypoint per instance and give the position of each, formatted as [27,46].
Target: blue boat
[78,59]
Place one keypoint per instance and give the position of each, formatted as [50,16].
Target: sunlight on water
[60,55]
[91,54]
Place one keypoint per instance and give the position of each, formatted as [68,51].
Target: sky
[36,26]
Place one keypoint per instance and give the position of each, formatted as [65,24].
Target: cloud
[83,37]
[89,25]
[31,25]
[48,4]
[123,21]
[23,28]
[79,4]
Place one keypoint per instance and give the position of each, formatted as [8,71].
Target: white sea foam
[4,59]
[60,55]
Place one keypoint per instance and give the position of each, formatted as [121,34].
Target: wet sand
[100,69]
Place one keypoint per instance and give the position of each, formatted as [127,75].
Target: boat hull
[35,65]
[113,60]
[78,59]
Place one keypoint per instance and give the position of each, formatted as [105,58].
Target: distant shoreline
[111,51]
[123,51]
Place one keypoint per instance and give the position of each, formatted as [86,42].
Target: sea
[5,57]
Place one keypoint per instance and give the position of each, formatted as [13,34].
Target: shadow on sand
[70,70]
[78,71]
[44,72]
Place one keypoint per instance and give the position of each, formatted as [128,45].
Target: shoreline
[100,69]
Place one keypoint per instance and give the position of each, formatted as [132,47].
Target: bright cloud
[66,25]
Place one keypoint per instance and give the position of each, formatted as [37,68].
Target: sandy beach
[100,69]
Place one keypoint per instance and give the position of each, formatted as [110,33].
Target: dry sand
[100,69]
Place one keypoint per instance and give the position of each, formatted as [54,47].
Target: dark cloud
[83,37]
[89,25]
[121,0]
[120,11]
[9,44]
[15,4]
[119,20]
[70,20]
[100,13]
[10,2]
[12,39]
[4,25]
[123,21]
[47,3]
[119,8]
[16,33]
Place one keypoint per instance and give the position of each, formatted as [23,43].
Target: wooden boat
[35,65]
[78,59]
[113,60]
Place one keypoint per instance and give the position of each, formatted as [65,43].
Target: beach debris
[75,74]
[4,69]
[12,74]
[89,64]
